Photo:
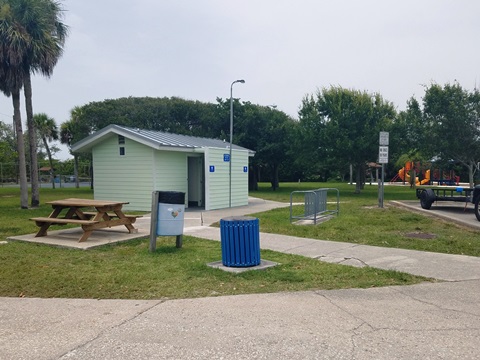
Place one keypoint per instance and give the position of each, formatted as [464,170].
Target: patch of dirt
[421,235]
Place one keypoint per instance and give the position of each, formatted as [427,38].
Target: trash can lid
[171,197]
[239,218]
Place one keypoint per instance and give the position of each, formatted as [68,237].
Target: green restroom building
[129,164]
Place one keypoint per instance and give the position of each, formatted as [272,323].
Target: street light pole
[231,143]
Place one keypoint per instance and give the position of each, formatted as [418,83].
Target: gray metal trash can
[240,240]
[171,210]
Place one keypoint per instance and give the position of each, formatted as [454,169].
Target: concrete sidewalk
[426,321]
[433,265]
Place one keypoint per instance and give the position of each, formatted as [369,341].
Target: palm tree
[32,38]
[48,131]
[41,20]
[13,40]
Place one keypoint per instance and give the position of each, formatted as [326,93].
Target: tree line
[336,128]
[260,128]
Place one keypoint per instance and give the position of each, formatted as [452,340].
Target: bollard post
[153,222]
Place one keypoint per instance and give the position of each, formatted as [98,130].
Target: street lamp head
[238,81]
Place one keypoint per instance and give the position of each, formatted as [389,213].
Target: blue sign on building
[212,168]
[226,157]
[245,169]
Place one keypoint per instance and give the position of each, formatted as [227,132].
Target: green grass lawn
[361,221]
[130,271]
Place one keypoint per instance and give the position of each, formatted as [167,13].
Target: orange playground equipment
[426,176]
[404,174]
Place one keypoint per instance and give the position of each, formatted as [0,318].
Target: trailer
[458,194]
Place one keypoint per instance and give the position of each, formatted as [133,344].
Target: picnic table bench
[109,216]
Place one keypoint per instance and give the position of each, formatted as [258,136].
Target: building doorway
[196,181]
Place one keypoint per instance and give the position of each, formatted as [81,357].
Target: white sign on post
[383,154]
[382,159]
[384,138]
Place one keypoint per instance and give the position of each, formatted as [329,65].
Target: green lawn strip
[361,221]
[387,227]
[130,271]
[370,192]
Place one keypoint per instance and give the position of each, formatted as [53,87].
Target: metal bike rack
[316,205]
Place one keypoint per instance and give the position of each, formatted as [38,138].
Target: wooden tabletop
[85,202]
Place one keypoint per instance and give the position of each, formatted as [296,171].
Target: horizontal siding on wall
[240,179]
[124,178]
[217,182]
[171,171]
[141,170]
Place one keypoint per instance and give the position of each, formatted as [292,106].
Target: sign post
[382,159]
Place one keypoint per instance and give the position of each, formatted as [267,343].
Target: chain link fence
[9,175]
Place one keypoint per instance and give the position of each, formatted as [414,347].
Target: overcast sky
[284,50]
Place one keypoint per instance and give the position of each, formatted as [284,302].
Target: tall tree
[312,154]
[173,114]
[265,130]
[41,20]
[72,131]
[451,116]
[408,130]
[48,131]
[13,42]
[407,136]
[348,123]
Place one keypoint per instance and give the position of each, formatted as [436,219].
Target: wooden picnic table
[106,214]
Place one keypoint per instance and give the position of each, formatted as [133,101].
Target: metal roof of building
[156,139]
[168,139]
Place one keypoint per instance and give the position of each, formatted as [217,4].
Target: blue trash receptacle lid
[238,218]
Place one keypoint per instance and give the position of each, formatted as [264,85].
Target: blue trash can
[171,210]
[240,240]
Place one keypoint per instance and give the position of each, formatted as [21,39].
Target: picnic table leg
[102,215]
[43,230]
[128,225]
[55,212]
[85,235]
[70,213]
